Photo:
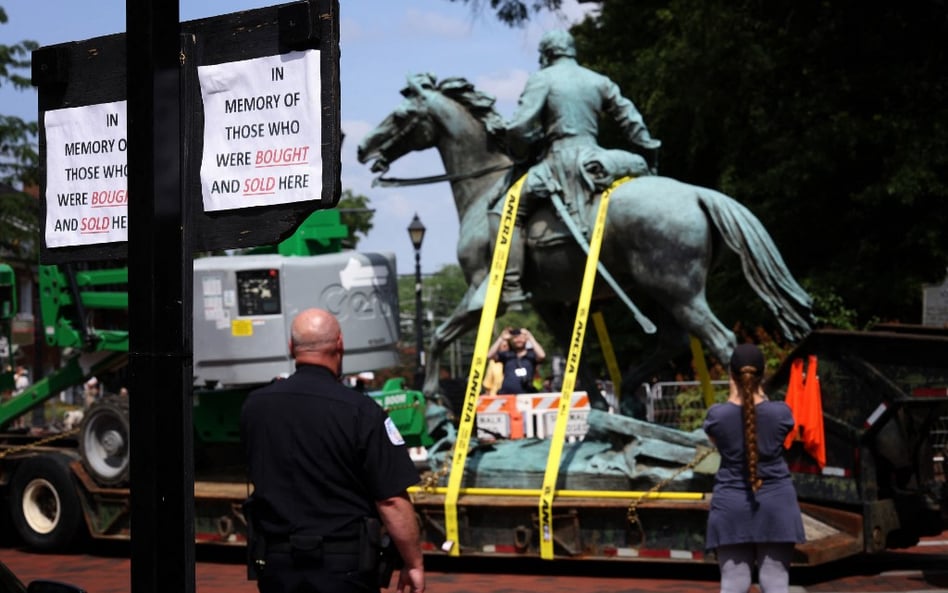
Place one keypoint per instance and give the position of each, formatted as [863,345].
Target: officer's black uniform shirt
[320,454]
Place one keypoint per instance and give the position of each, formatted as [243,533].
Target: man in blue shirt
[520,360]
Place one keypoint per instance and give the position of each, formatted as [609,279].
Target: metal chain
[431,480]
[632,515]
[39,443]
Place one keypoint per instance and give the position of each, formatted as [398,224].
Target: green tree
[19,225]
[440,293]
[827,120]
[19,213]
[18,156]
[355,213]
[515,12]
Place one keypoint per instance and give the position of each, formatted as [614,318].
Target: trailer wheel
[103,441]
[44,504]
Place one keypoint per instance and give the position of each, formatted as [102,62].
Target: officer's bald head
[316,338]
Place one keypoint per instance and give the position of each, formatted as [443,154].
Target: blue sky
[382,42]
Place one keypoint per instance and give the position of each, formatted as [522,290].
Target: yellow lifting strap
[612,364]
[569,377]
[479,361]
[701,368]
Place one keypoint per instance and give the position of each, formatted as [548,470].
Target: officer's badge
[393,434]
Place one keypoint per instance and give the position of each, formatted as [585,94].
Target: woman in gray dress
[754,517]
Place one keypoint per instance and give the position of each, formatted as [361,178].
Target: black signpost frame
[93,71]
[160,311]
[154,67]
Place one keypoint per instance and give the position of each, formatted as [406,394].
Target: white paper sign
[86,175]
[262,131]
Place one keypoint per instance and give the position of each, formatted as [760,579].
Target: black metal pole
[419,331]
[160,306]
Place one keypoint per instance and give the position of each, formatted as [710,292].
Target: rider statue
[555,130]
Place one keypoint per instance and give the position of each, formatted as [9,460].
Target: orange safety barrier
[540,411]
[499,417]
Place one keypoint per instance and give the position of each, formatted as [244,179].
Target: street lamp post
[416,231]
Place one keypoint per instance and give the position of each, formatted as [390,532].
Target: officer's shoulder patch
[393,434]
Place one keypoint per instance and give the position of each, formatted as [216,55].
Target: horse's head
[408,128]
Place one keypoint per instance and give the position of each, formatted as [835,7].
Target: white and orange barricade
[540,409]
[499,417]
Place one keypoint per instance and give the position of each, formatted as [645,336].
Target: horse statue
[660,236]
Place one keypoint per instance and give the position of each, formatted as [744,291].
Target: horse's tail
[763,266]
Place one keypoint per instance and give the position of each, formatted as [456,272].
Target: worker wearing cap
[520,360]
[327,465]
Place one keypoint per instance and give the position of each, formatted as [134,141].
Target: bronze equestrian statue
[660,239]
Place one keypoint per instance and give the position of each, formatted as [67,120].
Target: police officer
[326,462]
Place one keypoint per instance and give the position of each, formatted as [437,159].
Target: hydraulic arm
[85,311]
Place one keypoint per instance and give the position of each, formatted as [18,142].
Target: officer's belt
[349,545]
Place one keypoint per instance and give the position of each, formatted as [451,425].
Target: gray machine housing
[244,306]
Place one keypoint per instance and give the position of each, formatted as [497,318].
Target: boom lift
[59,482]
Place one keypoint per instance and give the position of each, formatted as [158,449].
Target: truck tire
[44,504]
[104,441]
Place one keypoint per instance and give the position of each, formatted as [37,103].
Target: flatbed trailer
[885,402]
[885,408]
[597,528]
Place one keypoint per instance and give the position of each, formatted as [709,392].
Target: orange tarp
[806,403]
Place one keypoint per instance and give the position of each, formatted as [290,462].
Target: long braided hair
[747,369]
[749,382]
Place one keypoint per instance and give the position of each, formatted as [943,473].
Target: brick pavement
[923,569]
